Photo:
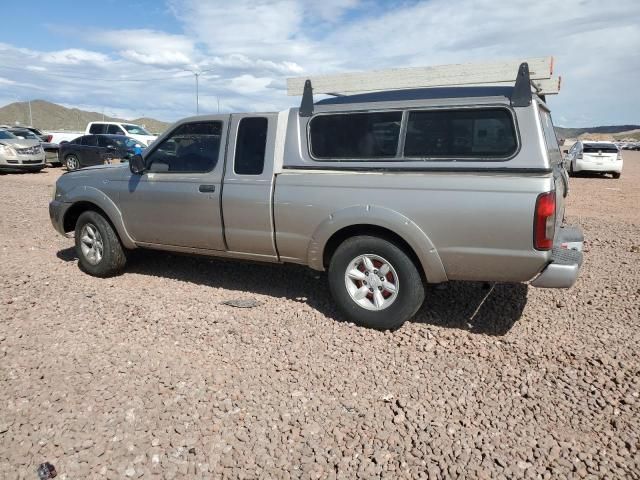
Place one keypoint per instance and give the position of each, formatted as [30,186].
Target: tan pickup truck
[385,190]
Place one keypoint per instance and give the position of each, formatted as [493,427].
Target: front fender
[380,217]
[98,198]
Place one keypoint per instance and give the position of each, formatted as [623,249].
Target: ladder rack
[535,74]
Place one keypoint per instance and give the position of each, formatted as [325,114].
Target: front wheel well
[375,231]
[73,213]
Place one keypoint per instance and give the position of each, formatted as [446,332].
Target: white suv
[116,128]
[603,157]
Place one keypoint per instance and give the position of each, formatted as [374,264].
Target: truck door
[248,185]
[176,202]
[90,151]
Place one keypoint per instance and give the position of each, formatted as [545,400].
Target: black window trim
[400,157]
[235,145]
[460,158]
[168,135]
[396,157]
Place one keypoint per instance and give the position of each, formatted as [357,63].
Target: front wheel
[98,247]
[374,283]
[616,175]
[71,162]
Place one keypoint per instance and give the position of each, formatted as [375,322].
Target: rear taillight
[544,222]
[619,155]
[47,138]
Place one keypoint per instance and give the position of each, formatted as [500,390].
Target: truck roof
[434,93]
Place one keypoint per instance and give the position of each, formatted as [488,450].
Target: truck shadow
[472,306]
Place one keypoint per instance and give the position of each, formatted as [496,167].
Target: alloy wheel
[372,282]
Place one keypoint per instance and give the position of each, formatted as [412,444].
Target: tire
[616,175]
[369,311]
[71,162]
[93,230]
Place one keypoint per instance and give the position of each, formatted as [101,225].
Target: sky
[132,58]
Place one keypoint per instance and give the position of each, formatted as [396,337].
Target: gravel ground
[150,374]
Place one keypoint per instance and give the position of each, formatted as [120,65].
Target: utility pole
[197,74]
[197,97]
[30,116]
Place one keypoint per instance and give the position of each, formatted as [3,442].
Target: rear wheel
[374,283]
[616,174]
[71,162]
[98,247]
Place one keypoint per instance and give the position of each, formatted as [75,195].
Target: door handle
[207,188]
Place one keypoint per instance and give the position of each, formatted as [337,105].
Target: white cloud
[249,47]
[248,84]
[157,58]
[74,56]
[146,46]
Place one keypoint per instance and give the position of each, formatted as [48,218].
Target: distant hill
[563,132]
[51,116]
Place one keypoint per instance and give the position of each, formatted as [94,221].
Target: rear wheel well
[77,209]
[375,231]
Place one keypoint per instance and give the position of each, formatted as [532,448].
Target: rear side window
[553,148]
[460,133]
[355,135]
[114,130]
[105,141]
[251,144]
[97,128]
[89,140]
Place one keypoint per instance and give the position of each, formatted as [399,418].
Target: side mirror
[136,165]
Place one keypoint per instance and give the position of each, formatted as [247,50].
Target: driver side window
[190,148]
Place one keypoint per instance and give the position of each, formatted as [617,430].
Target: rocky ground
[150,374]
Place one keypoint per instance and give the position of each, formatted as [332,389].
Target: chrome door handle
[207,188]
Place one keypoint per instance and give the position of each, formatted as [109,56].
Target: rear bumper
[598,166]
[566,260]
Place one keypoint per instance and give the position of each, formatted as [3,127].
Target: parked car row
[50,149]
[628,145]
[22,149]
[19,154]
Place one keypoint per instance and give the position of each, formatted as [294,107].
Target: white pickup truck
[136,132]
[131,130]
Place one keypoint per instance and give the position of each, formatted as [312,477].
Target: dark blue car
[97,150]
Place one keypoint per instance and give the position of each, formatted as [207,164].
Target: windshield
[135,130]
[25,134]
[4,135]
